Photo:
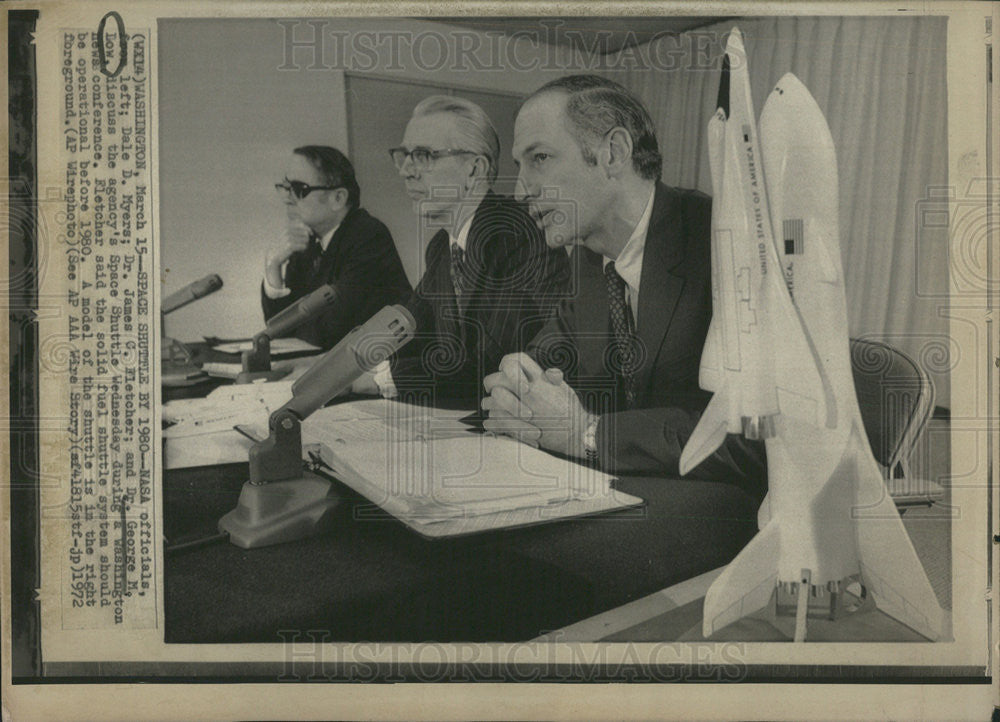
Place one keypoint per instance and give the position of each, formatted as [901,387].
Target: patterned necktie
[459,275]
[623,325]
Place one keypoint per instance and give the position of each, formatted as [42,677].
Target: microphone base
[281,511]
[248,377]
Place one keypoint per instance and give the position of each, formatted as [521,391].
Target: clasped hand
[534,405]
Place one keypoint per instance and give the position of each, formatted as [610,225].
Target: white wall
[229,114]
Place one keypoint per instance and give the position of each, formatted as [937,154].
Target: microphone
[358,352]
[281,501]
[257,361]
[301,311]
[191,292]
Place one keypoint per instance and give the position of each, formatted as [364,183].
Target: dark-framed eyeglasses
[300,190]
[423,158]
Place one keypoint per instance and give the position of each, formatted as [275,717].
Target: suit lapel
[661,282]
[592,311]
[324,270]
[475,254]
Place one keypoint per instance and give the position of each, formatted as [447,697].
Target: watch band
[590,438]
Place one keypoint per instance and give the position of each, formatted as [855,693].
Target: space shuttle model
[778,361]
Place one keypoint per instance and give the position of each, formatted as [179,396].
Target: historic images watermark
[309,657]
[317,44]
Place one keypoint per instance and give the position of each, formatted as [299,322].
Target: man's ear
[480,164]
[479,171]
[341,195]
[618,147]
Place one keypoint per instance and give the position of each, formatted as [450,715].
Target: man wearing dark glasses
[489,280]
[329,238]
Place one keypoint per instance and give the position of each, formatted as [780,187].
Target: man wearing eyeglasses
[329,238]
[489,280]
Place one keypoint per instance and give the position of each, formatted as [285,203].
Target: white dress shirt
[629,261]
[462,239]
[273,292]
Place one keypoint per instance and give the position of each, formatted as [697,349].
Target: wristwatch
[590,438]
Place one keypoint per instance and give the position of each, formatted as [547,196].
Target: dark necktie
[460,276]
[624,359]
[314,251]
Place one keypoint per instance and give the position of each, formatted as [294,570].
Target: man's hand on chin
[535,405]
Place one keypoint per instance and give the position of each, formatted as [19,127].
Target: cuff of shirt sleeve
[383,379]
[275,293]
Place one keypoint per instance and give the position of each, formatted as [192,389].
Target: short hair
[474,125]
[596,105]
[334,168]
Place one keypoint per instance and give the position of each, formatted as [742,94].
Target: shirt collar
[462,239]
[629,261]
[324,242]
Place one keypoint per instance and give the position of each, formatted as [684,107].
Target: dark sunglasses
[300,190]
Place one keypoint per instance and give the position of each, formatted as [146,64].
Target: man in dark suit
[489,281]
[613,377]
[330,239]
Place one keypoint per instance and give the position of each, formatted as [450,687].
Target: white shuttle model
[777,359]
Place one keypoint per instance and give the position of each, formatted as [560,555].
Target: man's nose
[523,190]
[408,170]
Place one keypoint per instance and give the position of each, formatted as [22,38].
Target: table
[614,577]
[372,579]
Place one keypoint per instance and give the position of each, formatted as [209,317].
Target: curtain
[881,83]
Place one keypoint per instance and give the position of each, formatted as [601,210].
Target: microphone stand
[177,366]
[257,362]
[282,501]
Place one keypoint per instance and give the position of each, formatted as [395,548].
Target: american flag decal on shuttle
[792,233]
[746,133]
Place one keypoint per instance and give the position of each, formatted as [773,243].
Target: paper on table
[372,420]
[380,420]
[427,481]
[225,407]
[221,369]
[207,449]
[279,346]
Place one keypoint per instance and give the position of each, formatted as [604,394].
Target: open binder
[440,478]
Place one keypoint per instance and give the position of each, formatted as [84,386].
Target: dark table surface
[372,579]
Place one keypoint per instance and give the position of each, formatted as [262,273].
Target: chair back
[896,397]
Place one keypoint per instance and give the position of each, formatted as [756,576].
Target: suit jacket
[361,262]
[516,281]
[675,308]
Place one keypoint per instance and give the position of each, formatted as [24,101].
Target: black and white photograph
[454,345]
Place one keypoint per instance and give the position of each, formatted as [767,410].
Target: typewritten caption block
[108,578]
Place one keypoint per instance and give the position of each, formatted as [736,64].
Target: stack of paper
[422,465]
[431,472]
[278,346]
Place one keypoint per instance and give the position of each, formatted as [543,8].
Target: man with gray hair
[614,377]
[489,279]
